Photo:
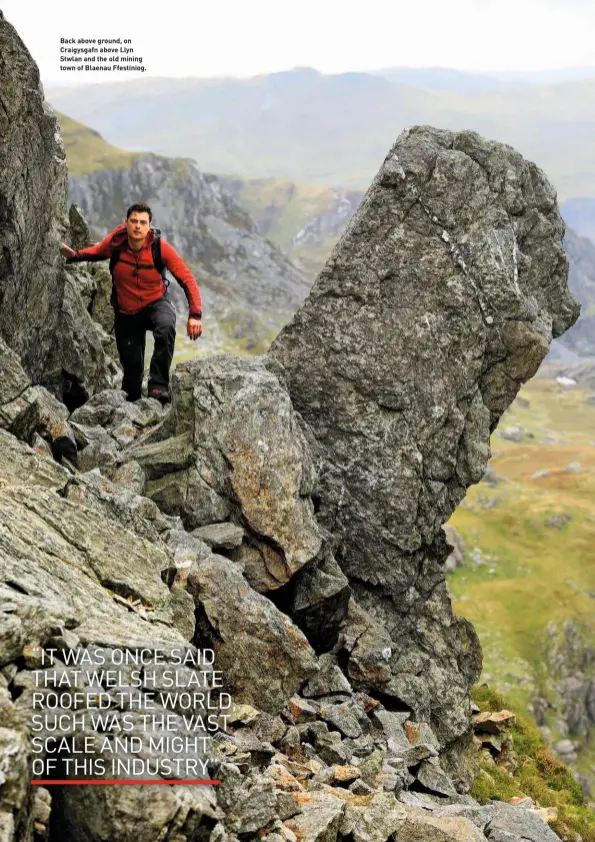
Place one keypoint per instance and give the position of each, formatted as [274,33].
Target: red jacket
[136,279]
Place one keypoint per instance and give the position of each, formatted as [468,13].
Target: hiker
[138,257]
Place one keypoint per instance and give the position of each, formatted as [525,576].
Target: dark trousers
[160,318]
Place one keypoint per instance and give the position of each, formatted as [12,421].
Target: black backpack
[157,261]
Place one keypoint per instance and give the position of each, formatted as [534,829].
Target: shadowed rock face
[440,300]
[32,200]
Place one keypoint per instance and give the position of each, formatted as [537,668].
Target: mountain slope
[319,129]
[250,287]
[88,151]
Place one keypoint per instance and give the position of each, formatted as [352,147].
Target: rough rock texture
[421,826]
[437,304]
[41,314]
[239,455]
[31,207]
[249,635]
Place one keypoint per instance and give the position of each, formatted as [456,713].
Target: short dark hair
[140,207]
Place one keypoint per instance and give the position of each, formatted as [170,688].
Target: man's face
[138,225]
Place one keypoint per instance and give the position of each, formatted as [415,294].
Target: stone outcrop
[440,300]
[239,455]
[31,208]
[41,315]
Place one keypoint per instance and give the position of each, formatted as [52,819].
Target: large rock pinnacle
[32,207]
[439,301]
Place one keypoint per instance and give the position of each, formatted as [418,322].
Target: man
[140,299]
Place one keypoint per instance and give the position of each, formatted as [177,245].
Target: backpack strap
[157,258]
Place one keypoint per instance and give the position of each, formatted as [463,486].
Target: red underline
[102,782]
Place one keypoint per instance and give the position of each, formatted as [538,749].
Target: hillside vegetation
[87,151]
[529,533]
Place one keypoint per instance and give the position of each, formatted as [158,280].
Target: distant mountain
[333,129]
[304,219]
[580,215]
[448,79]
[88,151]
[581,253]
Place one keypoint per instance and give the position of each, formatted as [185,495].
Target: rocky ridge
[305,754]
[230,521]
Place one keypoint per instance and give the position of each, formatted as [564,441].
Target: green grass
[87,151]
[528,768]
[534,574]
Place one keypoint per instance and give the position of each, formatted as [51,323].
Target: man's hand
[66,251]
[194,328]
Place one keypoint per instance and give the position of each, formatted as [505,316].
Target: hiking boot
[161,395]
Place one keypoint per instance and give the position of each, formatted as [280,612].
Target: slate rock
[263,656]
[527,824]
[374,821]
[319,820]
[225,535]
[423,826]
[250,451]
[401,380]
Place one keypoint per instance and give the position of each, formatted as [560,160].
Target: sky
[238,38]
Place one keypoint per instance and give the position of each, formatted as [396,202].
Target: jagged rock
[99,409]
[13,383]
[329,679]
[343,717]
[22,464]
[137,513]
[391,724]
[319,820]
[493,722]
[131,477]
[255,806]
[503,836]
[434,779]
[300,711]
[186,550]
[32,217]
[95,813]
[317,599]
[401,382]
[79,230]
[374,821]
[264,657]
[77,363]
[224,535]
[422,826]
[527,824]
[480,816]
[369,646]
[101,453]
[163,458]
[249,456]
[47,417]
